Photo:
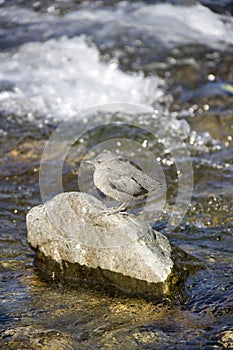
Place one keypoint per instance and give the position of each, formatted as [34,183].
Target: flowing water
[161,76]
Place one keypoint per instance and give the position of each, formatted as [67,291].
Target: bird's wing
[137,176]
[126,184]
[146,181]
[125,177]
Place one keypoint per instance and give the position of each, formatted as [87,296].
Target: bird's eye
[99,161]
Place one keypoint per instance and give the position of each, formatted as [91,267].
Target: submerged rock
[75,240]
[32,338]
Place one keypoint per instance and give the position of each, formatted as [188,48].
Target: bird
[121,180]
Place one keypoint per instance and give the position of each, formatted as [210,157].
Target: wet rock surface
[32,338]
[72,234]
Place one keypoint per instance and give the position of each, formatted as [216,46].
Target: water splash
[62,76]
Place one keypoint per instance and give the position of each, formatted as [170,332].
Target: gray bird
[121,179]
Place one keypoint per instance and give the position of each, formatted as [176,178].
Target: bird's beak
[89,161]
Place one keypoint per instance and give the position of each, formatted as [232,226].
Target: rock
[75,240]
[32,338]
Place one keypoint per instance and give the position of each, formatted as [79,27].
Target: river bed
[146,66]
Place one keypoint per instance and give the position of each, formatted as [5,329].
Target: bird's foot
[120,209]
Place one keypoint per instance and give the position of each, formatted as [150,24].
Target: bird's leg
[120,209]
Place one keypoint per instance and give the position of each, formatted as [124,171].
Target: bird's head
[102,158]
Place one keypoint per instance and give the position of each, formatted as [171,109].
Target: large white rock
[72,230]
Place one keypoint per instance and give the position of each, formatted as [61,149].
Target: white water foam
[194,24]
[171,24]
[62,76]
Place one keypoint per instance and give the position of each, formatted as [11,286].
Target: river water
[161,76]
